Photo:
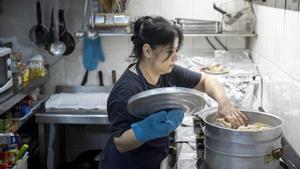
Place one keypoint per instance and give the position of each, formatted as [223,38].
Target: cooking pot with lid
[229,148]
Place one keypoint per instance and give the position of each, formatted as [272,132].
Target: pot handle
[261,109]
[275,154]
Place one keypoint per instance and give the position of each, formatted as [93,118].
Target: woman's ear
[147,51]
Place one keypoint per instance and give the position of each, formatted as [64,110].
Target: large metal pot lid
[143,104]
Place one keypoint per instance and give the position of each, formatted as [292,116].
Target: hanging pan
[50,37]
[38,33]
[65,36]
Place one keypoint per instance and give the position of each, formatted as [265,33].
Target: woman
[143,143]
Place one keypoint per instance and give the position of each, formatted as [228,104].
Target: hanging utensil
[107,5]
[221,10]
[113,76]
[85,78]
[81,33]
[92,33]
[65,36]
[38,33]
[50,37]
[58,47]
[100,75]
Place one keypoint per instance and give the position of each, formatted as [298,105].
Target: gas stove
[289,159]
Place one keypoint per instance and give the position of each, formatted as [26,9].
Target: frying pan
[38,33]
[65,36]
[50,37]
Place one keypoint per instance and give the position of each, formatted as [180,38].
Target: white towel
[77,101]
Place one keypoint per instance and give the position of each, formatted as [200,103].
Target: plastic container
[36,67]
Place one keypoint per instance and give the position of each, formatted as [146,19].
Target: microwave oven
[6,80]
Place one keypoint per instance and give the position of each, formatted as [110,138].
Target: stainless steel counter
[61,117]
[72,117]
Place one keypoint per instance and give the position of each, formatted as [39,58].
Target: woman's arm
[212,87]
[159,124]
[127,141]
[215,90]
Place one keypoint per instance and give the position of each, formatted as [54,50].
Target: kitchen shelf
[221,34]
[22,120]
[188,34]
[8,137]
[114,34]
[13,96]
[12,128]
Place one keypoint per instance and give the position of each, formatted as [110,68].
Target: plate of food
[147,102]
[215,68]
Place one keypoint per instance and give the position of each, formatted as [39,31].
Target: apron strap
[145,84]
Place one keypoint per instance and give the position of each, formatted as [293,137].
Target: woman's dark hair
[155,31]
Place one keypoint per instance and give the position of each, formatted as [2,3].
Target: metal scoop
[81,33]
[57,48]
[92,33]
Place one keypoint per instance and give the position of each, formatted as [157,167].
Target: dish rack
[238,16]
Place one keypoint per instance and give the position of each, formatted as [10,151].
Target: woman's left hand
[231,113]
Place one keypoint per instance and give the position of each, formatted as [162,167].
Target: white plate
[215,72]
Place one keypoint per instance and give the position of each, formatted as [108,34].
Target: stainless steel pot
[229,148]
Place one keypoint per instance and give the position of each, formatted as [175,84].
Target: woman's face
[164,57]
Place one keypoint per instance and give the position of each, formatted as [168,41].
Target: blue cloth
[90,62]
[92,53]
[98,52]
[152,152]
[159,124]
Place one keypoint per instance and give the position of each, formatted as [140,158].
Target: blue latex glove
[157,125]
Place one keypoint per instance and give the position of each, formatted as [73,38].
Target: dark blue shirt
[151,153]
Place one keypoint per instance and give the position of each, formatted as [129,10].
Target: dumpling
[223,123]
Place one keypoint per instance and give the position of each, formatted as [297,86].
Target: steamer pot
[229,148]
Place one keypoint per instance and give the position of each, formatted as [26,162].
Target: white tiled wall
[18,17]
[277,54]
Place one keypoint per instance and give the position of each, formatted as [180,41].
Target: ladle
[92,33]
[81,33]
[57,48]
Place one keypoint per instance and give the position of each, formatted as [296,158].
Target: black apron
[147,156]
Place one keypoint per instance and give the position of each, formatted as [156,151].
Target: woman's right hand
[157,125]
[231,114]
